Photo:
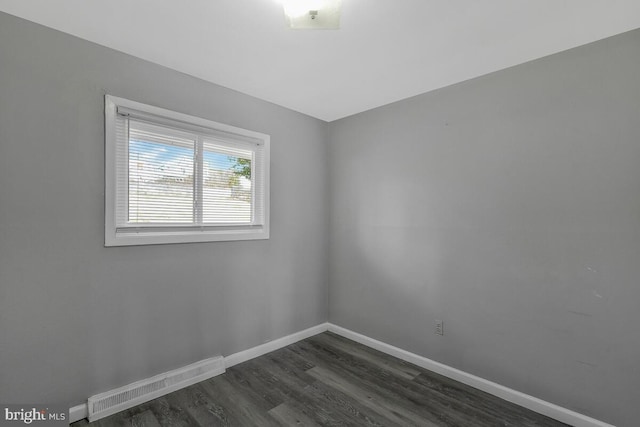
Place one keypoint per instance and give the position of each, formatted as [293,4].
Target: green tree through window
[242,167]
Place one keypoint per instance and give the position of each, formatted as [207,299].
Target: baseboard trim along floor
[537,405]
[78,412]
[526,401]
[81,411]
[276,344]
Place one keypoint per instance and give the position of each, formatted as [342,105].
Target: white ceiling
[386,50]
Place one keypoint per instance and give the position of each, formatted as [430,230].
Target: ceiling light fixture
[312,14]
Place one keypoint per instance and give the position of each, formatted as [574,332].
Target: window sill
[136,237]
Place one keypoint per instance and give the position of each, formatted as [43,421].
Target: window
[174,178]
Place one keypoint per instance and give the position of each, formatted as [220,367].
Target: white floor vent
[110,402]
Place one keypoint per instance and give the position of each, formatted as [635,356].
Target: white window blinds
[173,174]
[161,172]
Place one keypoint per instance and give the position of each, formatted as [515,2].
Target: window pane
[160,176]
[226,191]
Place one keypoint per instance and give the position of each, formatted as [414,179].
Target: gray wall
[509,207]
[78,318]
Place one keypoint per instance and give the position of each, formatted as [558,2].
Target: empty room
[320,213]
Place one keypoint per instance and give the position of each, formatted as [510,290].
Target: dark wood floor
[326,380]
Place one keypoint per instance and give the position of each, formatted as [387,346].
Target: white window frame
[119,234]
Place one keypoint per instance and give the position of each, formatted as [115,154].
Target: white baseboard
[537,405]
[78,413]
[81,411]
[533,403]
[276,344]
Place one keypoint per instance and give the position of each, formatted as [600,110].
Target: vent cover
[110,402]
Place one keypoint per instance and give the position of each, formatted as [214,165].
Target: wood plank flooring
[326,380]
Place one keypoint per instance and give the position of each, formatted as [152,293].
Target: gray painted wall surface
[77,318]
[509,207]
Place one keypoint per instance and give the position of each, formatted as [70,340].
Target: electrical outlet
[439,327]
